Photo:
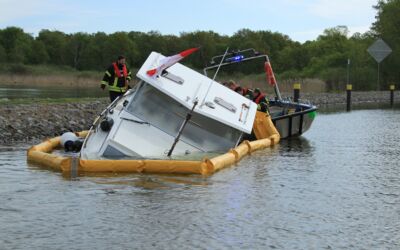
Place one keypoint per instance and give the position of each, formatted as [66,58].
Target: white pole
[215,75]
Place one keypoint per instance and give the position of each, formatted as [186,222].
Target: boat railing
[235,57]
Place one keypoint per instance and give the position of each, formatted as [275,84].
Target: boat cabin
[180,107]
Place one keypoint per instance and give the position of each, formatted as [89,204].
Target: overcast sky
[301,20]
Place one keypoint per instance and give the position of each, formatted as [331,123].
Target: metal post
[296,92]
[349,87]
[348,71]
[391,95]
[378,78]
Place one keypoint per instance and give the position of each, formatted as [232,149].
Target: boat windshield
[163,112]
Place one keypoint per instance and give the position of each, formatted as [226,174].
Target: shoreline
[35,121]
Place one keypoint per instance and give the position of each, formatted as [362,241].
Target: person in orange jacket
[117,77]
[261,100]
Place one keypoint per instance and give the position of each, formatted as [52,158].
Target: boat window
[163,112]
[210,134]
[113,153]
[158,109]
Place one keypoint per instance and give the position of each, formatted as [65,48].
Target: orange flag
[169,61]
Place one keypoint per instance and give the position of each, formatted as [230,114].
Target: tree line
[325,58]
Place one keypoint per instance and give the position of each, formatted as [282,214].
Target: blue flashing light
[235,58]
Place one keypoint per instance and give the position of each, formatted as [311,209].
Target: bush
[19,69]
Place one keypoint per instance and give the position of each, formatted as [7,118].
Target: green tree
[119,43]
[207,41]
[16,44]
[325,58]
[145,43]
[37,54]
[3,54]
[55,43]
[271,43]
[93,56]
[328,57]
[293,57]
[362,65]
[76,45]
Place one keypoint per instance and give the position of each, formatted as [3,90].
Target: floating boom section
[263,126]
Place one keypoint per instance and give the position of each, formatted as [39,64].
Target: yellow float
[263,128]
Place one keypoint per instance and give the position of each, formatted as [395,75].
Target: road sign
[379,50]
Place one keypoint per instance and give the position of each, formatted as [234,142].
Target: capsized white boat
[177,112]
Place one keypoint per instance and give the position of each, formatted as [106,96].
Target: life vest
[118,72]
[259,98]
[114,87]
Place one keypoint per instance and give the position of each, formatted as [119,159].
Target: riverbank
[33,120]
[47,75]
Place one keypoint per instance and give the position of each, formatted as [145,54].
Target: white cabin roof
[230,107]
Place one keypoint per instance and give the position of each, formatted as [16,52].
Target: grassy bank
[46,75]
[23,69]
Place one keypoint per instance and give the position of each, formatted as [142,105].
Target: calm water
[338,187]
[12,92]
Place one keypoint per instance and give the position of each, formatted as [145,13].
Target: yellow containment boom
[263,128]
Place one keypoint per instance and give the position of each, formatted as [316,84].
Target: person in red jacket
[117,77]
[261,100]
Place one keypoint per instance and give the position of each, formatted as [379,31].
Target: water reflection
[153,181]
[296,147]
